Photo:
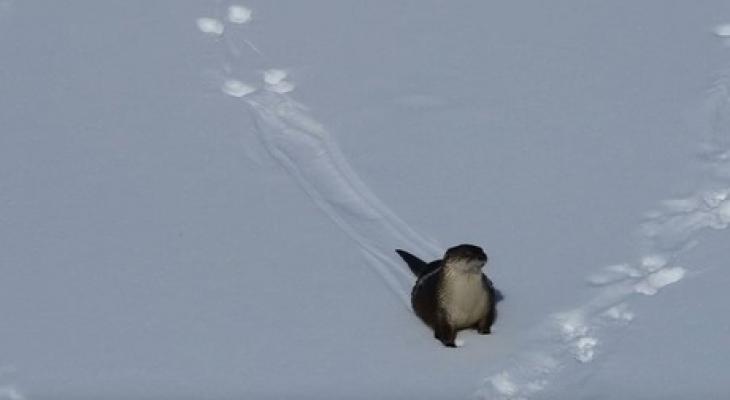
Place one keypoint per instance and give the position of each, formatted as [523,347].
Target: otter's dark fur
[453,294]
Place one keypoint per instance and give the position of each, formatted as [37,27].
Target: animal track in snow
[673,227]
[657,280]
[239,14]
[281,87]
[507,388]
[237,88]
[306,150]
[302,145]
[620,312]
[668,231]
[274,76]
[527,376]
[653,262]
[579,329]
[504,385]
[584,348]
[651,269]
[210,26]
[613,274]
[576,333]
[275,81]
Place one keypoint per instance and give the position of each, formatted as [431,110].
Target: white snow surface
[237,88]
[213,212]
[238,14]
[210,26]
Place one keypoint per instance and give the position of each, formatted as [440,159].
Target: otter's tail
[417,266]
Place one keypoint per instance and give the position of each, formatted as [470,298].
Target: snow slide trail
[298,142]
[569,339]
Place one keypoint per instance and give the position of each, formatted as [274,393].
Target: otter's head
[466,257]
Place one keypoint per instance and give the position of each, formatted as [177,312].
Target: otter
[453,294]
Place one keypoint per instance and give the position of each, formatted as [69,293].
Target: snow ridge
[302,145]
[571,338]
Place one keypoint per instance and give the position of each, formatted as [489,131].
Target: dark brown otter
[453,294]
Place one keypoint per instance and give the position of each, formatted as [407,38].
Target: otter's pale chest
[464,298]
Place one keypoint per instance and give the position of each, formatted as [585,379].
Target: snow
[281,87]
[585,349]
[723,31]
[239,14]
[10,393]
[274,76]
[211,209]
[653,262]
[651,285]
[237,88]
[275,82]
[614,273]
[620,312]
[504,385]
[210,26]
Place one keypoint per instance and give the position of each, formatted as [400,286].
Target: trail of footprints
[574,334]
[274,80]
[667,232]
